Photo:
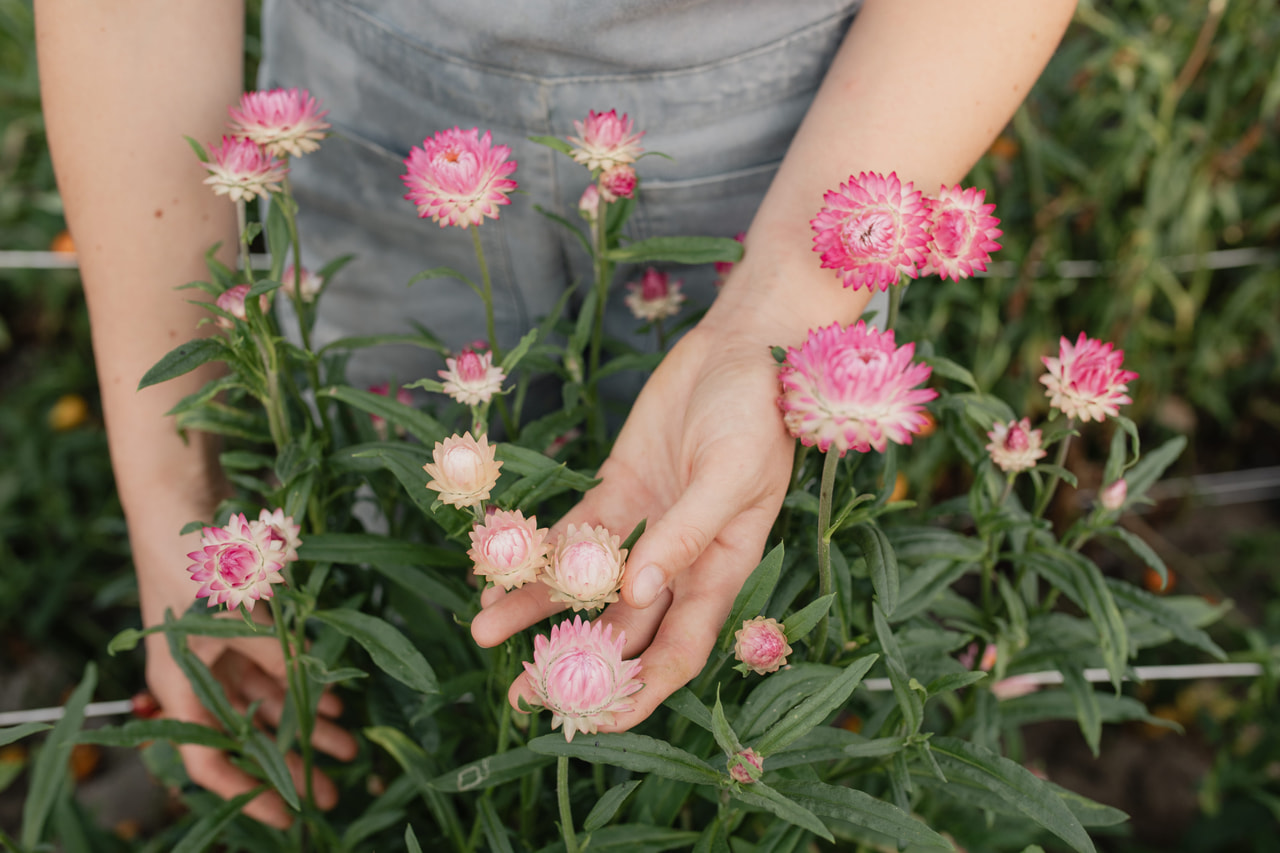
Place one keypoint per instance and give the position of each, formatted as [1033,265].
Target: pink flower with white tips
[231,300]
[463,470]
[1086,380]
[307,283]
[655,296]
[283,531]
[459,177]
[851,388]
[283,121]
[761,645]
[605,140]
[580,677]
[746,767]
[962,233]
[618,182]
[508,549]
[1015,446]
[472,378]
[238,168]
[237,564]
[589,204]
[586,568]
[873,230]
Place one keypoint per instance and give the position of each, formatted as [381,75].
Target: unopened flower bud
[1113,496]
[746,767]
[463,469]
[618,182]
[589,204]
[761,645]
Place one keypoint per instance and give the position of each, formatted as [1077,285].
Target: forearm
[122,82]
[920,88]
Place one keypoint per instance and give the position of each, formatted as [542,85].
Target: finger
[513,612]
[720,491]
[329,705]
[326,793]
[210,769]
[332,739]
[263,651]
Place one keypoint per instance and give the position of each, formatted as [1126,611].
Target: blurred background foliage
[1138,192]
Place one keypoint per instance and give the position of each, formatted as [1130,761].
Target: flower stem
[829,466]
[566,815]
[602,273]
[895,303]
[294,677]
[1055,478]
[487,293]
[287,205]
[241,224]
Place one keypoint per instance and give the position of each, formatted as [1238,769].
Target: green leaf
[366,341]
[685,703]
[388,647]
[184,359]
[9,734]
[490,771]
[411,840]
[862,809]
[645,362]
[406,464]
[909,702]
[207,688]
[191,623]
[762,796]
[445,272]
[1049,468]
[417,764]
[49,772]
[778,694]
[495,831]
[634,536]
[1151,607]
[681,250]
[814,710]
[801,622]
[754,595]
[516,353]
[362,548]
[1014,784]
[136,733]
[1150,467]
[607,806]
[572,227]
[713,838]
[198,148]
[553,142]
[917,544]
[882,564]
[948,369]
[266,752]
[209,828]
[632,838]
[1086,704]
[418,424]
[725,737]
[1144,552]
[876,748]
[261,288]
[525,462]
[953,681]
[637,753]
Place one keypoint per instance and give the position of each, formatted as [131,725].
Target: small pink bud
[589,204]
[989,656]
[1113,496]
[761,645]
[617,182]
[746,767]
[283,531]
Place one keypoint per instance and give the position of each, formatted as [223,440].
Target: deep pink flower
[746,767]
[472,378]
[383,389]
[655,296]
[589,204]
[237,564]
[579,675]
[282,121]
[962,233]
[458,177]
[586,567]
[1086,380]
[724,267]
[508,548]
[308,283]
[873,230]
[604,140]
[231,300]
[463,469]
[761,645]
[283,532]
[238,168]
[617,182]
[851,388]
[1015,446]
[1113,496]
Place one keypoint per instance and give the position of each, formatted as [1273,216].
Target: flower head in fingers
[851,388]
[872,230]
[1086,381]
[579,675]
[463,469]
[508,549]
[459,177]
[282,121]
[240,170]
[962,233]
[237,563]
[586,567]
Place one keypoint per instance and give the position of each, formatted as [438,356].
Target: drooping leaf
[861,808]
[136,733]
[815,709]
[754,595]
[637,753]
[389,648]
[10,734]
[491,770]
[266,752]
[1158,611]
[417,423]
[882,564]
[764,797]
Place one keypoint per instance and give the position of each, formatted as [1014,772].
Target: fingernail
[648,584]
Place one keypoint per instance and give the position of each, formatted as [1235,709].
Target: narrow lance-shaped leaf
[208,830]
[814,710]
[388,647]
[183,359]
[634,752]
[882,564]
[266,752]
[607,806]
[801,622]
[909,701]
[862,809]
[764,797]
[754,595]
[682,250]
[725,737]
[50,769]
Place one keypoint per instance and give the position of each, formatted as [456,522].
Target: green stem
[895,303]
[829,467]
[602,274]
[1055,478]
[566,815]
[504,722]
[293,674]
[299,306]
[246,262]
[487,295]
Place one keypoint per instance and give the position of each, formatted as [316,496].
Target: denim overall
[719,85]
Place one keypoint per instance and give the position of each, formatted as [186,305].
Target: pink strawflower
[383,389]
[604,140]
[283,532]
[463,469]
[617,182]
[761,645]
[308,284]
[990,655]
[458,177]
[589,204]
[508,548]
[1013,687]
[231,300]
[723,268]
[655,296]
[472,378]
[962,233]
[560,442]
[282,121]
[851,388]
[579,675]
[1015,446]
[1086,380]
[746,767]
[237,564]
[873,229]
[238,168]
[1113,496]
[586,568]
